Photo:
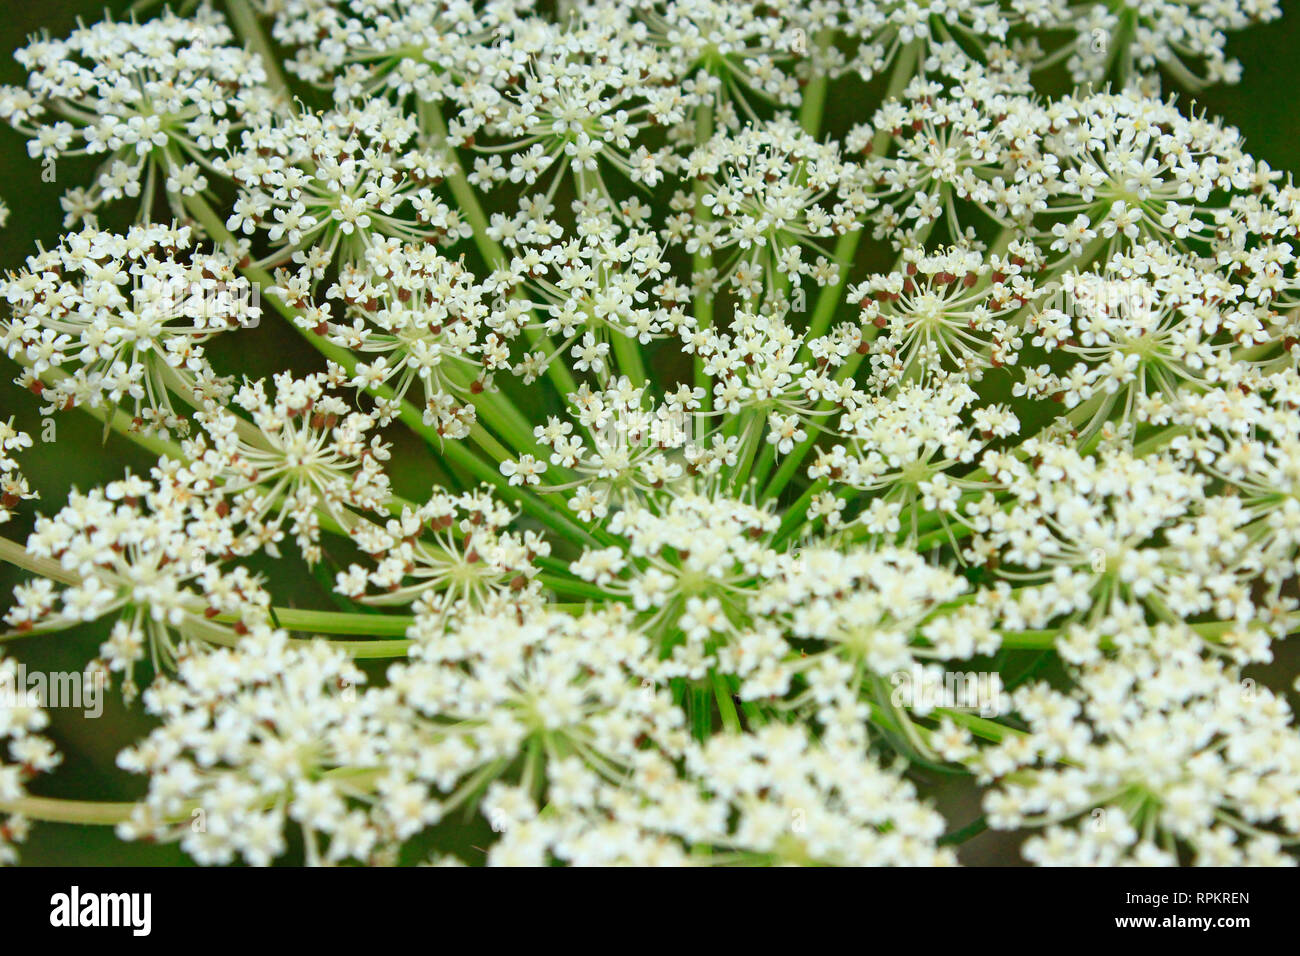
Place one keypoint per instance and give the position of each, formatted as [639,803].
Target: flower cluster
[14,488]
[1151,756]
[108,319]
[255,738]
[158,100]
[25,754]
[660,461]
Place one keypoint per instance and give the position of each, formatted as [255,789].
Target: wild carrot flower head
[655,432]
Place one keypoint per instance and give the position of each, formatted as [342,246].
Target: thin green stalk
[337,622]
[723,693]
[11,552]
[766,459]
[797,513]
[979,726]
[828,300]
[244,19]
[701,708]
[413,418]
[627,352]
[962,834]
[55,810]
[831,296]
[751,434]
[814,94]
[469,206]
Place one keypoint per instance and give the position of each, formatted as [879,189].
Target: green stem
[55,810]
[701,704]
[454,451]
[814,94]
[979,726]
[244,19]
[722,692]
[829,299]
[495,257]
[337,622]
[14,553]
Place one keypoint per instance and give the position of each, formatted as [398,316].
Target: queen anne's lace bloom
[1149,759]
[676,420]
[771,193]
[14,488]
[1140,40]
[289,744]
[159,100]
[25,754]
[122,319]
[337,181]
[772,797]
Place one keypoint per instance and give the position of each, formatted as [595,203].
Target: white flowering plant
[711,424]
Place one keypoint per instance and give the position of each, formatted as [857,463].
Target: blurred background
[1263,107]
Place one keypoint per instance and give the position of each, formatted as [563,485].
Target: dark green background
[1263,107]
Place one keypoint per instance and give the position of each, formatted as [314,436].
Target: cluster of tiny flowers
[699,417]
[773,797]
[14,487]
[770,193]
[149,555]
[257,737]
[450,555]
[333,183]
[158,100]
[24,753]
[1141,40]
[106,320]
[1146,756]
